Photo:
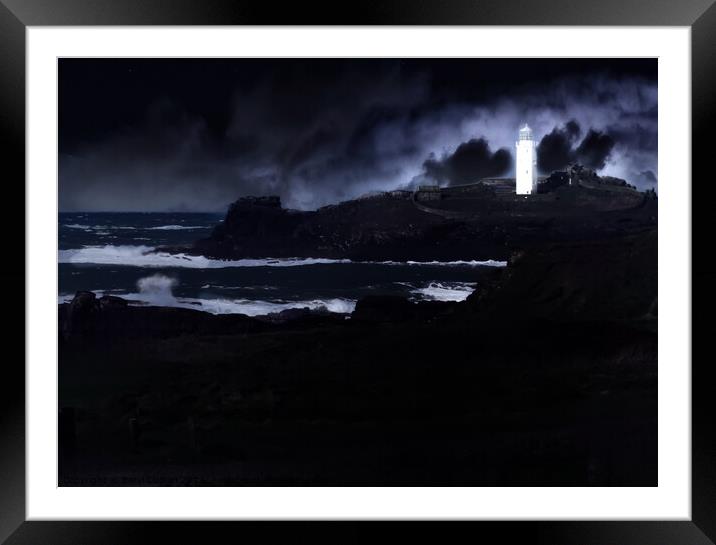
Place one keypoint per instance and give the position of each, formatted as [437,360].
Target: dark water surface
[112,253]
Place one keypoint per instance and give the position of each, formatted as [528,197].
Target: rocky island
[486,220]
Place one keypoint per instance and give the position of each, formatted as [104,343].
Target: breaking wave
[157,290]
[261,308]
[445,291]
[147,256]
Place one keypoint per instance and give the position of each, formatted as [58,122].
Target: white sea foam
[445,291]
[157,290]
[259,308]
[176,227]
[98,227]
[147,256]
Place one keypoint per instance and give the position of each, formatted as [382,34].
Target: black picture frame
[16,15]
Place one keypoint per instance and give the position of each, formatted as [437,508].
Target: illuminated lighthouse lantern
[526,165]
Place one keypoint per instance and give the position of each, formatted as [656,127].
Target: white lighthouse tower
[526,164]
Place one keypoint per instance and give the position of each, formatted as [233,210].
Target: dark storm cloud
[470,162]
[595,149]
[311,140]
[195,135]
[561,147]
[556,149]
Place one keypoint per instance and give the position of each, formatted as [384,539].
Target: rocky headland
[480,221]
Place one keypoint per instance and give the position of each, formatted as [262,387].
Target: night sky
[195,134]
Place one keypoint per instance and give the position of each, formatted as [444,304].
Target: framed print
[401,266]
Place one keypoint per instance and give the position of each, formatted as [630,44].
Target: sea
[115,254]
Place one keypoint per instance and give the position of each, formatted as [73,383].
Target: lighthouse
[526,164]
